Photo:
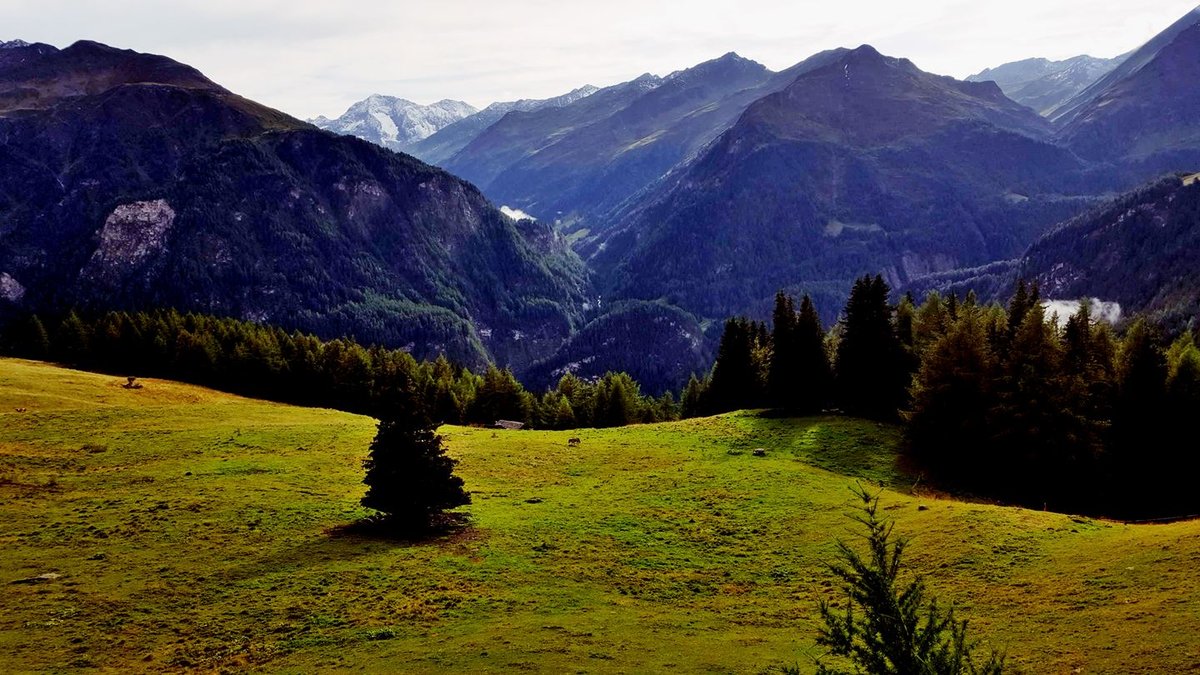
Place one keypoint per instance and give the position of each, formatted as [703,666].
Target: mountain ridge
[446,142]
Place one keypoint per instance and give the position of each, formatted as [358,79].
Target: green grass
[193,529]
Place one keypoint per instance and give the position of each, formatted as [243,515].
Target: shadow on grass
[446,526]
[351,541]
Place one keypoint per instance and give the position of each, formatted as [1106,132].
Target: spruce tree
[1038,437]
[37,345]
[1141,451]
[1024,299]
[692,401]
[409,477]
[73,341]
[1183,401]
[814,377]
[736,376]
[782,381]
[906,315]
[891,626]
[501,397]
[930,323]
[947,429]
[871,377]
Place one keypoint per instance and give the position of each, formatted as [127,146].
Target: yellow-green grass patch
[193,529]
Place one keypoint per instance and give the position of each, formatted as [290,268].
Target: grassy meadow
[194,530]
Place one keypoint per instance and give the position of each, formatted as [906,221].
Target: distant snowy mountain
[395,123]
[1046,85]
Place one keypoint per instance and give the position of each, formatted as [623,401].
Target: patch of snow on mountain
[515,214]
[388,131]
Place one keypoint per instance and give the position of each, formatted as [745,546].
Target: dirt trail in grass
[196,530]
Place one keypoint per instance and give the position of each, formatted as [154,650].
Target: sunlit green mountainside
[129,180]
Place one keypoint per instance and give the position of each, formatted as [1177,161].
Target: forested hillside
[129,181]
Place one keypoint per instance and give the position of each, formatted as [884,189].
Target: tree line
[268,362]
[1002,402]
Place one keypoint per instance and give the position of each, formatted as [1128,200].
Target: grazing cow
[573,442]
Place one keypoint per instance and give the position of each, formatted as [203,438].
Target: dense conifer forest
[1005,403]
[292,367]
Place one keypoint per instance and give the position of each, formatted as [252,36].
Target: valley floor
[193,529]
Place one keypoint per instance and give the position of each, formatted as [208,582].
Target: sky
[316,57]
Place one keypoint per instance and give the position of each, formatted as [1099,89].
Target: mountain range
[1046,85]
[659,206]
[863,163]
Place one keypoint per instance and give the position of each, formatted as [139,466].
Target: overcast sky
[311,57]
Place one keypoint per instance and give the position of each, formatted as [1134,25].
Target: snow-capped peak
[395,122]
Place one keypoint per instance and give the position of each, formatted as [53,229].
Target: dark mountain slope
[866,163]
[448,141]
[1129,66]
[37,76]
[1147,122]
[1142,251]
[659,345]
[150,186]
[579,163]
[597,165]
[519,134]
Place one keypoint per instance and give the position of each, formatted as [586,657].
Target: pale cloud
[1063,310]
[311,57]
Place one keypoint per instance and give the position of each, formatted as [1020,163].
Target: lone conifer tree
[890,628]
[409,477]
